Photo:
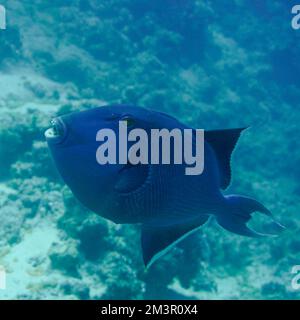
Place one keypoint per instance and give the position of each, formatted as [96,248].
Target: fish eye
[130,121]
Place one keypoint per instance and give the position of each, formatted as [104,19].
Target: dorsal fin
[223,143]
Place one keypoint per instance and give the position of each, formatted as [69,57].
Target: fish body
[166,202]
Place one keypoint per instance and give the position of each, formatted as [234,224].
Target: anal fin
[157,240]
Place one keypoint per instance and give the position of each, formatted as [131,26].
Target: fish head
[73,144]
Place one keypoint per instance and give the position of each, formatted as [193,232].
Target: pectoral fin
[157,240]
[131,177]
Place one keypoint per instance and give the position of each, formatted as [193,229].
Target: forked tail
[238,212]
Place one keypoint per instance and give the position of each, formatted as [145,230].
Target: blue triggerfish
[166,202]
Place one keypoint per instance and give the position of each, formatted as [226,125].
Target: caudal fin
[238,213]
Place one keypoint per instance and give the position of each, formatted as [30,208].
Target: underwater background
[212,64]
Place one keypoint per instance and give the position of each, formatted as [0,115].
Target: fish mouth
[57,132]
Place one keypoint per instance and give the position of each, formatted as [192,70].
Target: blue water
[212,65]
